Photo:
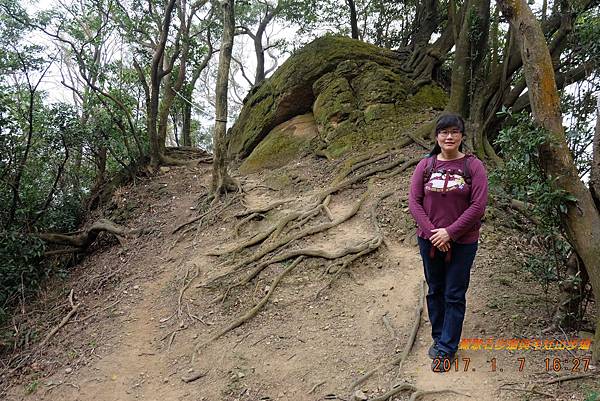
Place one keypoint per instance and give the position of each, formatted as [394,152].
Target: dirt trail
[299,347]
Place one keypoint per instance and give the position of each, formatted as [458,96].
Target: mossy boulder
[358,94]
[285,142]
[288,92]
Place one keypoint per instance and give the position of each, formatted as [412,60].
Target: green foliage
[21,267]
[383,23]
[583,45]
[579,130]
[522,178]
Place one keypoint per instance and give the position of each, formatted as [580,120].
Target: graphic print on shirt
[445,180]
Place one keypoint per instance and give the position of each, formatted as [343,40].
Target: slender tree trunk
[582,220]
[164,108]
[595,171]
[186,128]
[544,9]
[153,137]
[221,181]
[257,38]
[188,91]
[172,88]
[259,76]
[157,73]
[353,19]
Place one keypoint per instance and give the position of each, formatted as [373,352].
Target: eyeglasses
[447,133]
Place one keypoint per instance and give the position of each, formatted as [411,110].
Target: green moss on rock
[429,96]
[283,144]
[377,84]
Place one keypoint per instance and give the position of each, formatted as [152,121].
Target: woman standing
[448,196]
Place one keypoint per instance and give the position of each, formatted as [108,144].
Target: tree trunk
[595,171]
[186,128]
[157,73]
[257,38]
[172,88]
[353,19]
[153,137]
[426,22]
[425,61]
[470,49]
[259,76]
[494,42]
[221,181]
[569,310]
[582,220]
[188,91]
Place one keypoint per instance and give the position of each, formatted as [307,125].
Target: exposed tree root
[32,355]
[532,390]
[182,324]
[308,252]
[312,390]
[420,141]
[85,238]
[571,377]
[284,241]
[257,238]
[63,322]
[395,390]
[389,327]
[290,228]
[264,209]
[417,394]
[213,211]
[420,393]
[369,246]
[253,311]
[91,315]
[321,198]
[190,221]
[362,160]
[186,285]
[246,219]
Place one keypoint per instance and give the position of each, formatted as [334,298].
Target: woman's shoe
[433,350]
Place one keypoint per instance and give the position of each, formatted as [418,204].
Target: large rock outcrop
[355,93]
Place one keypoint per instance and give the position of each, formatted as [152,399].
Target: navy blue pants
[448,284]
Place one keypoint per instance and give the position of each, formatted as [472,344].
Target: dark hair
[446,121]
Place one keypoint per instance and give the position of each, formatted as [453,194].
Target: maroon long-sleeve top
[447,201]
